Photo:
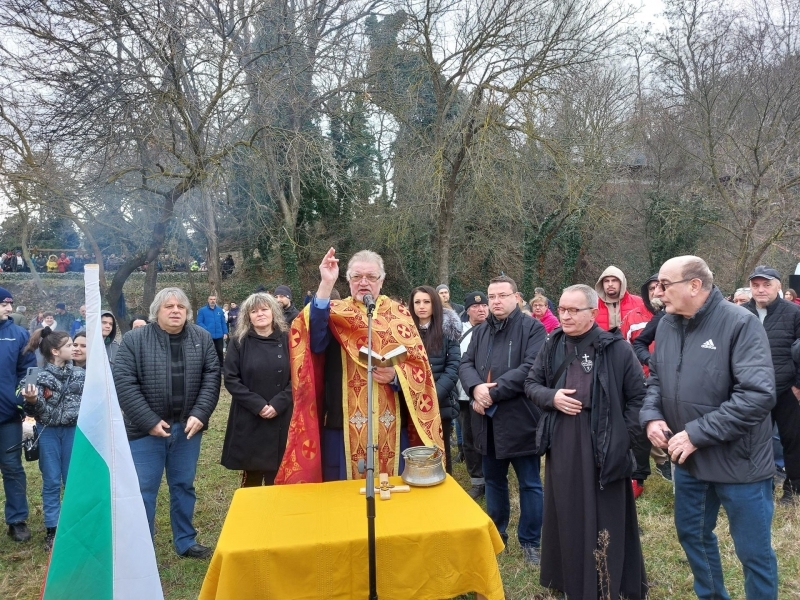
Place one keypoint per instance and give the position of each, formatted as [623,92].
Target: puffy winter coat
[143,377]
[549,321]
[59,399]
[13,367]
[782,325]
[444,365]
[711,375]
[257,373]
[213,321]
[626,303]
[507,349]
[617,396]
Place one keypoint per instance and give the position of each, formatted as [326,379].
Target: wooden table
[309,542]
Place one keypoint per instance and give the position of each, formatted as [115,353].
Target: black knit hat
[475,298]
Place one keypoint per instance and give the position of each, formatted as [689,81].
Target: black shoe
[531,554]
[665,470]
[19,532]
[198,551]
[49,538]
[790,496]
[476,492]
[459,457]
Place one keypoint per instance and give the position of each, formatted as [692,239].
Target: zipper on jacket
[510,342]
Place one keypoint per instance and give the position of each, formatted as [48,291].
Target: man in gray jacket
[710,392]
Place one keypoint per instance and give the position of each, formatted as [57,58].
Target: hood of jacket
[451,325]
[611,271]
[113,335]
[646,294]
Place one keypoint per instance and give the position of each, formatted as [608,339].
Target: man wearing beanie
[283,294]
[444,294]
[13,367]
[476,309]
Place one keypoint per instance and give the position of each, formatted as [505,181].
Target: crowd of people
[71,261]
[595,384]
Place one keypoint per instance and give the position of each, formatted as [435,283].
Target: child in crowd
[54,402]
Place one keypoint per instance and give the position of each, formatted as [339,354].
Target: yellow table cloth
[309,541]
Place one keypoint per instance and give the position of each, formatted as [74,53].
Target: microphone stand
[370,467]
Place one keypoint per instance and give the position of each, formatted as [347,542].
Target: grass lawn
[22,565]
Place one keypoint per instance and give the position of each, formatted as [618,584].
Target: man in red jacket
[615,301]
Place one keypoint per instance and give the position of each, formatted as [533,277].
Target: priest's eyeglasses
[572,311]
[371,277]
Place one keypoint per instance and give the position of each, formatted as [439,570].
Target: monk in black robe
[591,414]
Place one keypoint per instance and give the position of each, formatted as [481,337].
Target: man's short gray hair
[695,267]
[366,256]
[166,294]
[588,292]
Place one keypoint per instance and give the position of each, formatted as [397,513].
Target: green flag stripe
[82,564]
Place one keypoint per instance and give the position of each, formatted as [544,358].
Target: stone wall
[68,288]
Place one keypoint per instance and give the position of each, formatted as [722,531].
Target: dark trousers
[787,416]
[258,478]
[641,447]
[472,458]
[219,345]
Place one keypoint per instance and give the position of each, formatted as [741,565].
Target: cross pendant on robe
[585,357]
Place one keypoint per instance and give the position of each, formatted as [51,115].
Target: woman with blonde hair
[540,311]
[258,377]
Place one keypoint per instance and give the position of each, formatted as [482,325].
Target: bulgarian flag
[103,549]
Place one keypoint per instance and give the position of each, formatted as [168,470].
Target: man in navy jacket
[212,318]
[14,363]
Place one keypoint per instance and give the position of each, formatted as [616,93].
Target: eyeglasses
[665,284]
[371,277]
[572,311]
[494,297]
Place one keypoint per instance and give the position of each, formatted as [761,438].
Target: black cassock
[576,509]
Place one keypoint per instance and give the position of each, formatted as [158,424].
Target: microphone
[369,302]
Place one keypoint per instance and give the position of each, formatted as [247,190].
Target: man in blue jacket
[14,363]
[212,318]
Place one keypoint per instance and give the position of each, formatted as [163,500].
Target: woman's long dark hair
[46,340]
[433,337]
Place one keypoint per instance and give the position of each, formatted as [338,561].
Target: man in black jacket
[493,372]
[781,320]
[167,379]
[593,403]
[710,392]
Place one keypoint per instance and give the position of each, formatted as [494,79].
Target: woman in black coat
[257,375]
[440,331]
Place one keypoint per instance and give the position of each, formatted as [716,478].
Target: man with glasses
[590,385]
[492,373]
[328,366]
[615,300]
[709,396]
[781,320]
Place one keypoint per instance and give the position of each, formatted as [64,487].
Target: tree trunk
[150,279]
[212,244]
[27,255]
[157,239]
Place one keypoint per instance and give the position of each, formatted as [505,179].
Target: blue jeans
[495,472]
[55,450]
[749,507]
[14,482]
[178,455]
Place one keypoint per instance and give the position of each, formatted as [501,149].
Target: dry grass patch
[22,566]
